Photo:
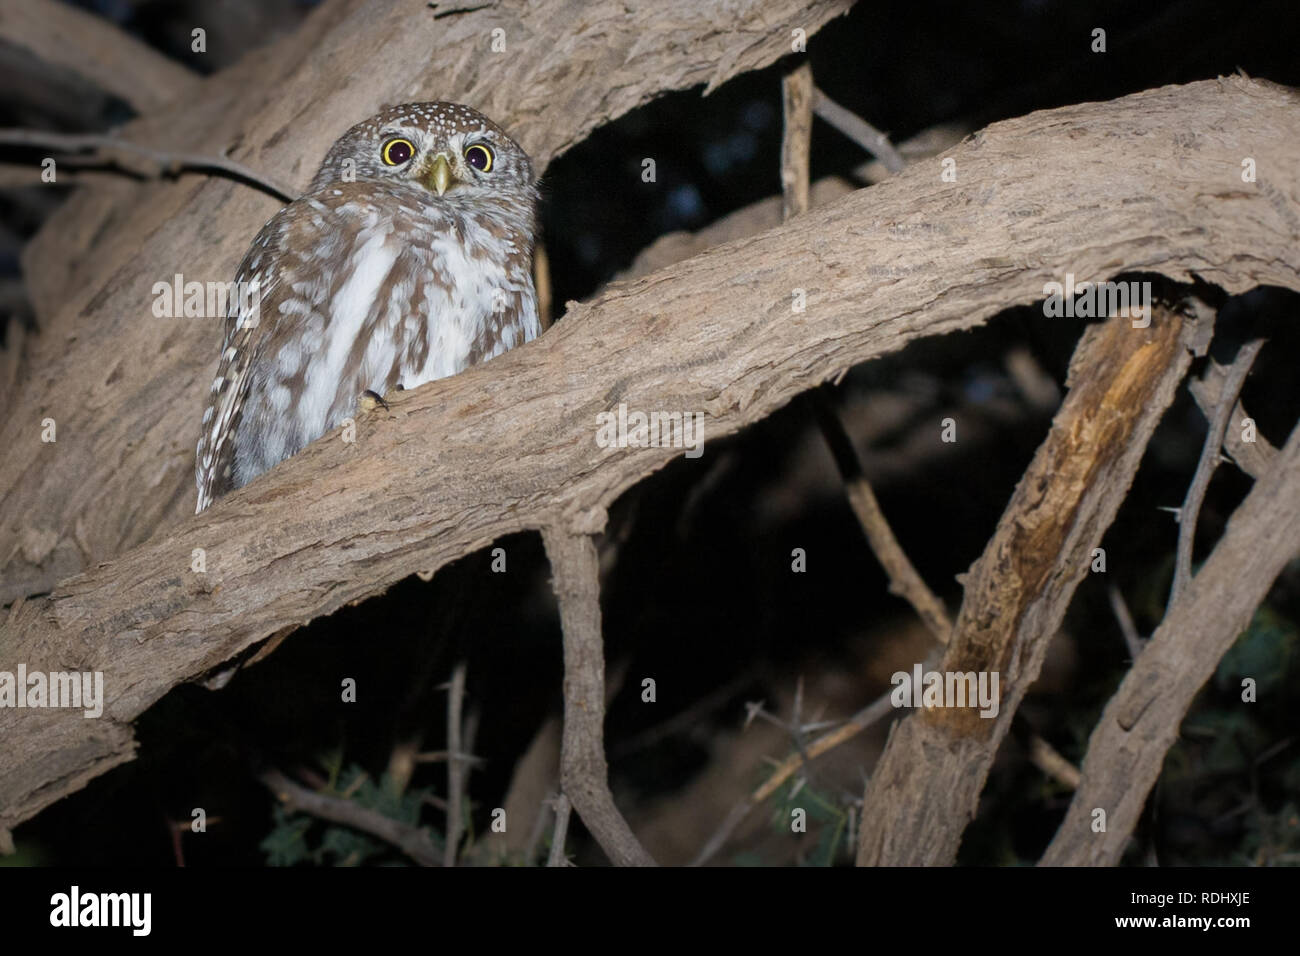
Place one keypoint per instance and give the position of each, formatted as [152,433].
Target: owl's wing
[249,308]
[294,270]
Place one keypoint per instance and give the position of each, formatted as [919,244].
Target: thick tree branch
[926,786]
[510,445]
[1140,723]
[125,386]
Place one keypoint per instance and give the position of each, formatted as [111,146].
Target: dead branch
[584,774]
[799,96]
[904,580]
[128,155]
[456,769]
[412,841]
[768,213]
[926,786]
[1254,458]
[1049,760]
[563,808]
[1140,723]
[515,438]
[1132,640]
[796,100]
[874,712]
[1211,454]
[859,130]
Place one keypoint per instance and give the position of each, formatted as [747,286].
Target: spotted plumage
[407,260]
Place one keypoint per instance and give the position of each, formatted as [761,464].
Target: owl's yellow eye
[480,157]
[397,151]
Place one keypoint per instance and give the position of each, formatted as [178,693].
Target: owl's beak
[438,175]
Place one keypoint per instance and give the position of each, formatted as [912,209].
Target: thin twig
[858,130]
[800,99]
[1132,640]
[1253,457]
[1049,760]
[164,163]
[904,580]
[584,774]
[544,810]
[876,710]
[442,756]
[542,283]
[1210,458]
[797,100]
[873,712]
[455,766]
[684,720]
[561,834]
[412,841]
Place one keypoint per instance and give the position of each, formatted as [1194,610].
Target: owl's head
[446,148]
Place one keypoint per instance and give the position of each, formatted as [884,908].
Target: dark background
[699,593]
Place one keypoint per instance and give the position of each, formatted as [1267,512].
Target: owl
[408,259]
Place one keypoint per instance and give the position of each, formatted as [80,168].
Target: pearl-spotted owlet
[408,259]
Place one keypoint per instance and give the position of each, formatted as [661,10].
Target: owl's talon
[370,400]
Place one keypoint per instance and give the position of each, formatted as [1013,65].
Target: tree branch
[1254,458]
[584,774]
[926,786]
[456,766]
[796,100]
[515,437]
[1140,723]
[127,384]
[1211,453]
[904,580]
[560,834]
[412,841]
[859,130]
[158,162]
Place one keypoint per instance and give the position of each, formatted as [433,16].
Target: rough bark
[1140,723]
[926,787]
[584,772]
[125,387]
[510,445]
